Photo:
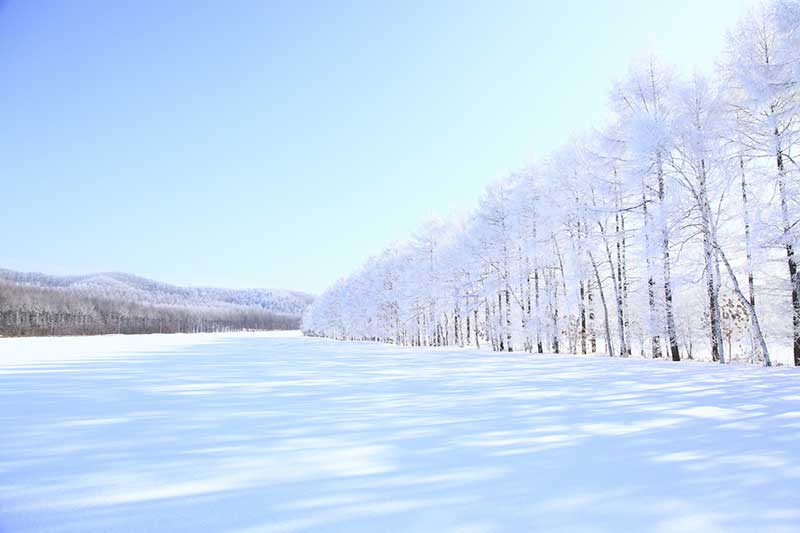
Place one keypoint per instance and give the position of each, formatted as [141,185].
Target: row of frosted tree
[671,232]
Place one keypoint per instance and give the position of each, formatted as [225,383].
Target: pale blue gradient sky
[280,143]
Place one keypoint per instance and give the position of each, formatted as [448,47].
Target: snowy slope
[255,432]
[121,286]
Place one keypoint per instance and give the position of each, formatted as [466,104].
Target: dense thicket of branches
[32,311]
[671,232]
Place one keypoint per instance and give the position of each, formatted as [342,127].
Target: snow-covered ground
[284,433]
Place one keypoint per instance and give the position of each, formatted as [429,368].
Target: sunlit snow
[279,433]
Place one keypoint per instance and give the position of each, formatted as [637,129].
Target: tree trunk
[655,338]
[791,259]
[582,318]
[622,266]
[747,238]
[711,268]
[477,334]
[539,346]
[668,308]
[509,347]
[616,282]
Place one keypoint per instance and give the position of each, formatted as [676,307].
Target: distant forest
[36,305]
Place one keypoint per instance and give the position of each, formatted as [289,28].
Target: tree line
[670,232]
[36,311]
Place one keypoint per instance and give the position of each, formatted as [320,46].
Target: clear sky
[278,144]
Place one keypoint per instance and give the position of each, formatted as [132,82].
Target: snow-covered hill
[128,287]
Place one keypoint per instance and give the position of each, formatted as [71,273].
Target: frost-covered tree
[762,68]
[631,239]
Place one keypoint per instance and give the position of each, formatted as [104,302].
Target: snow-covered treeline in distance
[670,232]
[38,304]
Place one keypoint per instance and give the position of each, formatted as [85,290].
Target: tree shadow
[287,434]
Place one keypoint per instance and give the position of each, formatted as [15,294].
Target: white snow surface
[280,433]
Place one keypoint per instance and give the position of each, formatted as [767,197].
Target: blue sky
[279,144]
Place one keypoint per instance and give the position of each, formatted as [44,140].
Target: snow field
[254,432]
